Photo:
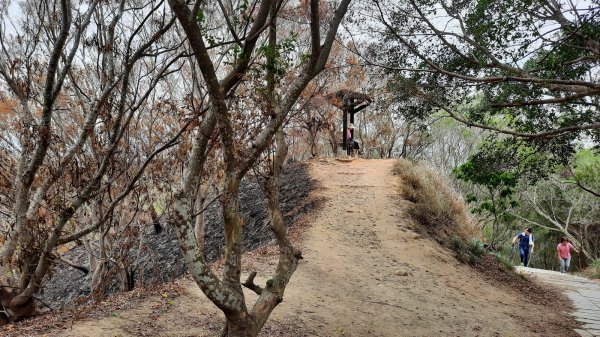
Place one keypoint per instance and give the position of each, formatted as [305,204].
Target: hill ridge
[365,272]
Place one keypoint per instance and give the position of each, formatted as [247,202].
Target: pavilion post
[350,103]
[345,129]
[352,122]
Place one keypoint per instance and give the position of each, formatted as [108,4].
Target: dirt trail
[365,273]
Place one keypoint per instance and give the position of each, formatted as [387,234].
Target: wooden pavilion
[350,102]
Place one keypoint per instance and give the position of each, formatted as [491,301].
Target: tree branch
[249,283]
[44,135]
[527,136]
[580,185]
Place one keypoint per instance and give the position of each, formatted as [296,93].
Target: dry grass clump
[435,205]
[593,270]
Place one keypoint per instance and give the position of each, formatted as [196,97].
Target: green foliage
[270,283]
[493,72]
[492,44]
[241,16]
[593,270]
[498,167]
[468,251]
[304,58]
[499,186]
[200,17]
[484,23]
[586,167]
[504,261]
[494,174]
[513,35]
[470,171]
[278,58]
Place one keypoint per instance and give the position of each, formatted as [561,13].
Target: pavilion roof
[344,97]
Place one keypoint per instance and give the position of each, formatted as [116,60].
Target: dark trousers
[524,252]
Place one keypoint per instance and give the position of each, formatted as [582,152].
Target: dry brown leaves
[64,319]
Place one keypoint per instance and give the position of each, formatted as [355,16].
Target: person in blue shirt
[525,245]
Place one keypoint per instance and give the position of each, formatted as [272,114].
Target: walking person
[525,245]
[564,254]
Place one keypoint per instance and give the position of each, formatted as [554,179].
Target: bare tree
[226,292]
[77,166]
[561,206]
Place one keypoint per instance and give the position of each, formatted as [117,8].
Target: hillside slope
[365,273]
[156,258]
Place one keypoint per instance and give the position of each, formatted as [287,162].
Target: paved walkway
[584,293]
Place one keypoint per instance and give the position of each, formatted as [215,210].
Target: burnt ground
[156,258]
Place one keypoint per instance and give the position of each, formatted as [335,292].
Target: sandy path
[365,273]
[358,244]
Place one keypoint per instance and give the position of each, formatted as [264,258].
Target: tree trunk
[233,239]
[199,225]
[240,326]
[333,141]
[227,294]
[313,143]
[584,248]
[101,263]
[126,277]
[87,243]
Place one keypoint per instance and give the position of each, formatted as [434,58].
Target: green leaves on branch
[499,188]
[495,172]
[471,47]
[200,17]
[279,58]
[243,16]
[210,39]
[486,22]
[586,168]
[470,171]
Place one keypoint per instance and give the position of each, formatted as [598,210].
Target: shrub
[505,261]
[593,270]
[468,251]
[435,205]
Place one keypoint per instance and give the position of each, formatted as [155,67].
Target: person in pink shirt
[564,254]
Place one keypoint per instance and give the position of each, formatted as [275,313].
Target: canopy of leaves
[587,166]
[536,67]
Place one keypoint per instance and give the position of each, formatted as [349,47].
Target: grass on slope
[440,210]
[593,270]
